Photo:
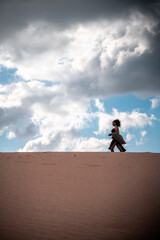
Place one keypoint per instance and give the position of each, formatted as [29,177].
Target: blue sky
[67,73]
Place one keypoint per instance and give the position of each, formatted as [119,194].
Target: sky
[69,68]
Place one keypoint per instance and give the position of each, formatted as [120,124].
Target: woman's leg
[112,145]
[121,148]
[124,150]
[113,141]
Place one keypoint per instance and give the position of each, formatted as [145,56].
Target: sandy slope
[79,196]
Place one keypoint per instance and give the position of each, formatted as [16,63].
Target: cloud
[18,119]
[99,105]
[29,131]
[143,133]
[141,140]
[15,15]
[129,137]
[11,117]
[67,55]
[134,119]
[155,102]
[97,59]
[51,119]
[45,114]
[11,135]
[59,140]
[91,145]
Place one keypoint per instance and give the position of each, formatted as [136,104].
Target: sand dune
[79,196]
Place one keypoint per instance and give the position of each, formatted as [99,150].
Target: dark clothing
[115,141]
[113,130]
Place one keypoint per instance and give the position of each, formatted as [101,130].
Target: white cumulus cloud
[129,137]
[141,139]
[143,133]
[11,135]
[99,105]
[91,145]
[134,119]
[155,102]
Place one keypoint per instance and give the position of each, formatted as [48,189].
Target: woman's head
[116,123]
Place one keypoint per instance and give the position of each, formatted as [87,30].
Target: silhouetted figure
[117,138]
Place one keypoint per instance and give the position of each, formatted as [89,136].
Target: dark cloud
[138,75]
[28,131]
[17,118]
[11,116]
[15,15]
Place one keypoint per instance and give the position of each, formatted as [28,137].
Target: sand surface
[79,196]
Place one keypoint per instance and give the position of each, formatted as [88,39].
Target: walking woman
[117,138]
